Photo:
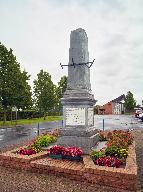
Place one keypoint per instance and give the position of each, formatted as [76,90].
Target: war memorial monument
[78,101]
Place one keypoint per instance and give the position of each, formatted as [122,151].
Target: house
[116,106]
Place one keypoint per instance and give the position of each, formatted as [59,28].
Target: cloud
[39,31]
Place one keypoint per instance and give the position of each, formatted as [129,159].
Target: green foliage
[43,141]
[116,152]
[44,92]
[118,142]
[112,150]
[97,154]
[121,139]
[30,121]
[62,85]
[96,109]
[23,98]
[24,114]
[59,91]
[14,89]
[130,102]
[122,153]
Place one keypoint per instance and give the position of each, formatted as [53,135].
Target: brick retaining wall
[122,178]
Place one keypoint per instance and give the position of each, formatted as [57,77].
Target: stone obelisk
[78,124]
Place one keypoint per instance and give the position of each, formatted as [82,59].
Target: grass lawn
[30,121]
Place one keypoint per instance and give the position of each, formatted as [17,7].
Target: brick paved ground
[14,180]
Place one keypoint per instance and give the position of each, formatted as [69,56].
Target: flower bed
[43,141]
[21,157]
[14,160]
[36,145]
[69,153]
[117,149]
[124,178]
[119,178]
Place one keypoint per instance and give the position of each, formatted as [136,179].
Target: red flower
[69,151]
[23,151]
[108,161]
[56,150]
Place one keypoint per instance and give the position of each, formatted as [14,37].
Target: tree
[96,109]
[130,102]
[62,85]
[44,92]
[59,91]
[14,88]
[24,99]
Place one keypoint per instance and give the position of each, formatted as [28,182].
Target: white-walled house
[118,105]
[115,106]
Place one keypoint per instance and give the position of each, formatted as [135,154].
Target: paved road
[19,134]
[117,122]
[16,135]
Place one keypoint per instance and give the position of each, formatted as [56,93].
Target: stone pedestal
[78,124]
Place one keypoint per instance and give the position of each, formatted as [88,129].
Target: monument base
[84,140]
[78,120]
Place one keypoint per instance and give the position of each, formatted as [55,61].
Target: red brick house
[115,106]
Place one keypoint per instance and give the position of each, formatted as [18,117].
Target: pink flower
[69,151]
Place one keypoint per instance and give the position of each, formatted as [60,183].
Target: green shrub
[36,147]
[116,152]
[43,141]
[97,154]
[118,142]
[122,153]
[112,150]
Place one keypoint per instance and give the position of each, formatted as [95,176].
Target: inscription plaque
[90,116]
[75,116]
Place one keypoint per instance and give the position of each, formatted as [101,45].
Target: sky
[38,31]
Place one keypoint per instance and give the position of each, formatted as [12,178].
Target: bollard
[38,130]
[103,124]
